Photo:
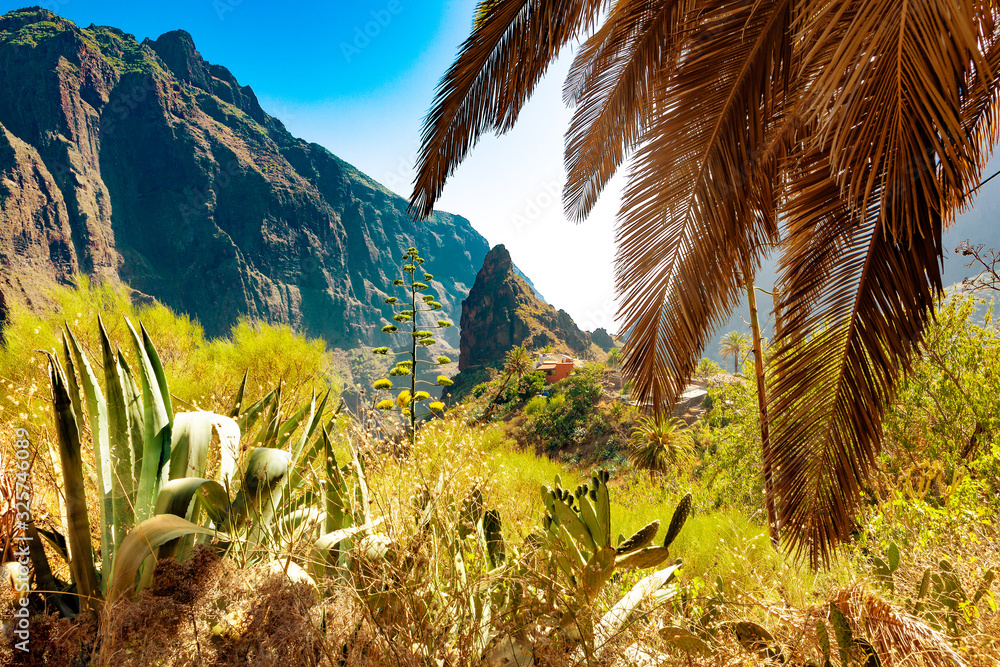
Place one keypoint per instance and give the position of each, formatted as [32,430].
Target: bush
[194,364]
[535,405]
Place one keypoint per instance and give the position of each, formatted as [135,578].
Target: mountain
[503,311]
[143,163]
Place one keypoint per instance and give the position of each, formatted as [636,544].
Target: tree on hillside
[862,124]
[734,344]
[659,444]
[517,362]
[613,360]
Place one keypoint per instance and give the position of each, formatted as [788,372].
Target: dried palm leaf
[512,44]
[897,637]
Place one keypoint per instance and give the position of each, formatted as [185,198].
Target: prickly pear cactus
[577,530]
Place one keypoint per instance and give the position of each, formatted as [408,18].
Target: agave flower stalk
[409,313]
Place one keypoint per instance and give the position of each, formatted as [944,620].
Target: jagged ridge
[503,311]
[143,162]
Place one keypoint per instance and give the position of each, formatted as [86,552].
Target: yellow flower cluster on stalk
[418,335]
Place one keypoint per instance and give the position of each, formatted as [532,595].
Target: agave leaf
[136,419]
[337,498]
[362,486]
[185,498]
[156,433]
[192,438]
[269,429]
[77,522]
[315,415]
[44,580]
[141,543]
[97,413]
[234,412]
[119,441]
[249,416]
[296,523]
[71,386]
[329,555]
[158,373]
[611,623]
[260,495]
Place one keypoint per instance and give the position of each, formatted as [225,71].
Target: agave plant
[151,465]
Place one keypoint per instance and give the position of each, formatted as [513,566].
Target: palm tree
[614,359]
[862,124]
[659,444]
[517,362]
[734,344]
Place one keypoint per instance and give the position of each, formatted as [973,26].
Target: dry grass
[211,611]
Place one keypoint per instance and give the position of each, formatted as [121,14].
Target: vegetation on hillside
[735,116]
[444,553]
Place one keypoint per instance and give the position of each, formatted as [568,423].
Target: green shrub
[535,405]
[194,363]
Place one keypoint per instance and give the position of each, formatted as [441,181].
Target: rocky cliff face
[144,163]
[502,311]
[603,339]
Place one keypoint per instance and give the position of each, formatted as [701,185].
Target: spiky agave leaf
[81,553]
[141,543]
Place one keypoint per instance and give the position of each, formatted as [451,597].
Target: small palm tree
[707,368]
[734,344]
[659,444]
[614,359]
[517,363]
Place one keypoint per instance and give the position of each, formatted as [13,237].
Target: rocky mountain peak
[177,51]
[503,311]
[142,162]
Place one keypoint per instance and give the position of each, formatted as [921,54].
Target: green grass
[204,372]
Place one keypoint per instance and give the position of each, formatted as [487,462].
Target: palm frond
[897,637]
[610,84]
[511,46]
[847,328]
[889,100]
[699,210]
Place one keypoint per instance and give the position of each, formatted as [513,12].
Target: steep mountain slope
[144,163]
[502,311]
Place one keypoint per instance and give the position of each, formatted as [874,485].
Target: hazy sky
[357,77]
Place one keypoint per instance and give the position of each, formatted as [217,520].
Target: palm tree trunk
[765,435]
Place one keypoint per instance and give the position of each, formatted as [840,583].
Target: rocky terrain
[503,311]
[144,163]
